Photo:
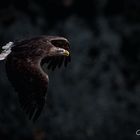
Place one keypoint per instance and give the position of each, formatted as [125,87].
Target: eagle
[24,60]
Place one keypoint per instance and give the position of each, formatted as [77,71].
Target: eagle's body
[23,66]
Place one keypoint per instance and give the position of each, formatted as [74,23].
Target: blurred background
[98,96]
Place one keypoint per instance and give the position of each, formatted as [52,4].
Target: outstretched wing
[30,82]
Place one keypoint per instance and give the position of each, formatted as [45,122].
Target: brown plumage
[23,66]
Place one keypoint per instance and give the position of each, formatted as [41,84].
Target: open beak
[66,53]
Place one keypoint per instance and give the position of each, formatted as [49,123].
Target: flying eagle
[24,60]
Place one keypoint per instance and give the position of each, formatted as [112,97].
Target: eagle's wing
[30,82]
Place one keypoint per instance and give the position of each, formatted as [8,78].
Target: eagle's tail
[6,50]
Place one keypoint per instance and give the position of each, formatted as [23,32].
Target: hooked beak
[66,53]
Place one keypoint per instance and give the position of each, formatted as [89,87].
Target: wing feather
[31,84]
[54,63]
[60,61]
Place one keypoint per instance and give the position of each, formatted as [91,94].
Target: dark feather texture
[23,66]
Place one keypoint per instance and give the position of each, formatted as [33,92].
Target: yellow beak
[66,53]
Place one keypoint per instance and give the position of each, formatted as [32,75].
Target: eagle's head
[58,46]
[58,51]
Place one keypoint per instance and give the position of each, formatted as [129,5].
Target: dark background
[98,96]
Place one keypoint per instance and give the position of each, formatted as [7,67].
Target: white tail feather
[6,50]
